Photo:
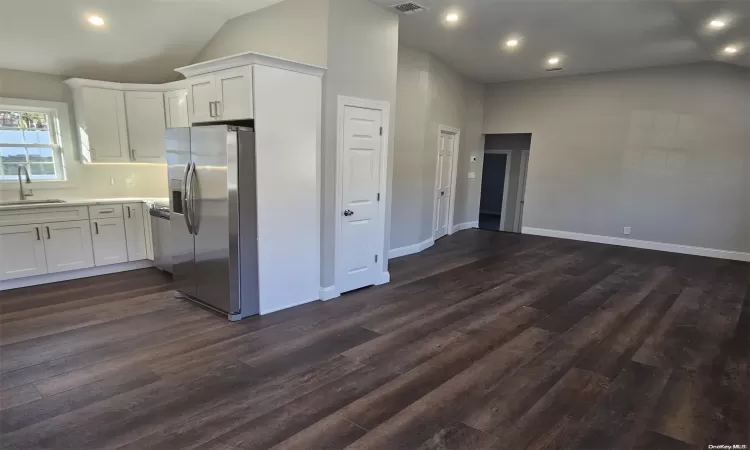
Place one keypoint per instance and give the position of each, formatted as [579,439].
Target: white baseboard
[465,226]
[74,274]
[329,293]
[383,278]
[650,245]
[410,249]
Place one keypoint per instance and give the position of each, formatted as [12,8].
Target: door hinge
[381,131]
[376,258]
[378,196]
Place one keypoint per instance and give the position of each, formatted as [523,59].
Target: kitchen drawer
[105,211]
[43,214]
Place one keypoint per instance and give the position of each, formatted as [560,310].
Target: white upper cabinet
[100,115]
[22,252]
[135,231]
[222,95]
[176,106]
[235,93]
[145,113]
[201,98]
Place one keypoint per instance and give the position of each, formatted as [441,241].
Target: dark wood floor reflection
[486,340]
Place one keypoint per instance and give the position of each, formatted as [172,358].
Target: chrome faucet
[21,191]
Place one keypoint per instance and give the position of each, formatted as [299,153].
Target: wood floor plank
[486,340]
[18,396]
[622,415]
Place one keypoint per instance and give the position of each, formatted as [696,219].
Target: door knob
[348,213]
[442,193]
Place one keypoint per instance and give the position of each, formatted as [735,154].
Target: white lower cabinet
[135,231]
[68,246]
[21,252]
[110,246]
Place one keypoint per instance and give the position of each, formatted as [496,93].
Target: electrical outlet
[472,175]
[626,230]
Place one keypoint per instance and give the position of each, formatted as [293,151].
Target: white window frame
[59,129]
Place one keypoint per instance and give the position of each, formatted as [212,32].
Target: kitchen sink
[30,202]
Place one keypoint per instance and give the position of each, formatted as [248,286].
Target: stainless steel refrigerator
[213,217]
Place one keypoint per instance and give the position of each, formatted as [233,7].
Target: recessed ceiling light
[512,43]
[451,17]
[717,24]
[554,60]
[96,20]
[731,50]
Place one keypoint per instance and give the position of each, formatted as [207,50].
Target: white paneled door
[444,183]
[359,245]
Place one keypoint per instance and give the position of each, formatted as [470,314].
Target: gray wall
[431,94]
[362,62]
[292,29]
[664,151]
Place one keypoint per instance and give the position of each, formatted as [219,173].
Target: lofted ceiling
[591,35]
[141,41]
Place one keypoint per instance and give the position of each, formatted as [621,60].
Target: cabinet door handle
[38,235]
[49,235]
[128,211]
[132,154]
[218,110]
[96,227]
[211,109]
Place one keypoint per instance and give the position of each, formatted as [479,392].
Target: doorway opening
[504,172]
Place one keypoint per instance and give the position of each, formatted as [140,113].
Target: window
[29,137]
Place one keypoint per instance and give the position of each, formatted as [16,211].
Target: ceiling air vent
[409,8]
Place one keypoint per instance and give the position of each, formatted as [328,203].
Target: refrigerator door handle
[191,201]
[185,195]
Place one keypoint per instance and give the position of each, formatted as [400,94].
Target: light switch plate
[472,175]
[626,230]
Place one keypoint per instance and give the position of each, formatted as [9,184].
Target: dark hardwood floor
[485,341]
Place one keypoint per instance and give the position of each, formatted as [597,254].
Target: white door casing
[360,193]
[518,221]
[445,181]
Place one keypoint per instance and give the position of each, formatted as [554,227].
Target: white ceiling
[593,35]
[143,40]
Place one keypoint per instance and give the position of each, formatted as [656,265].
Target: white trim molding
[329,293]
[383,278]
[247,59]
[385,107]
[649,245]
[74,274]
[465,226]
[410,249]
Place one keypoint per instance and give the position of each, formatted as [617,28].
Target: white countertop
[86,202]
